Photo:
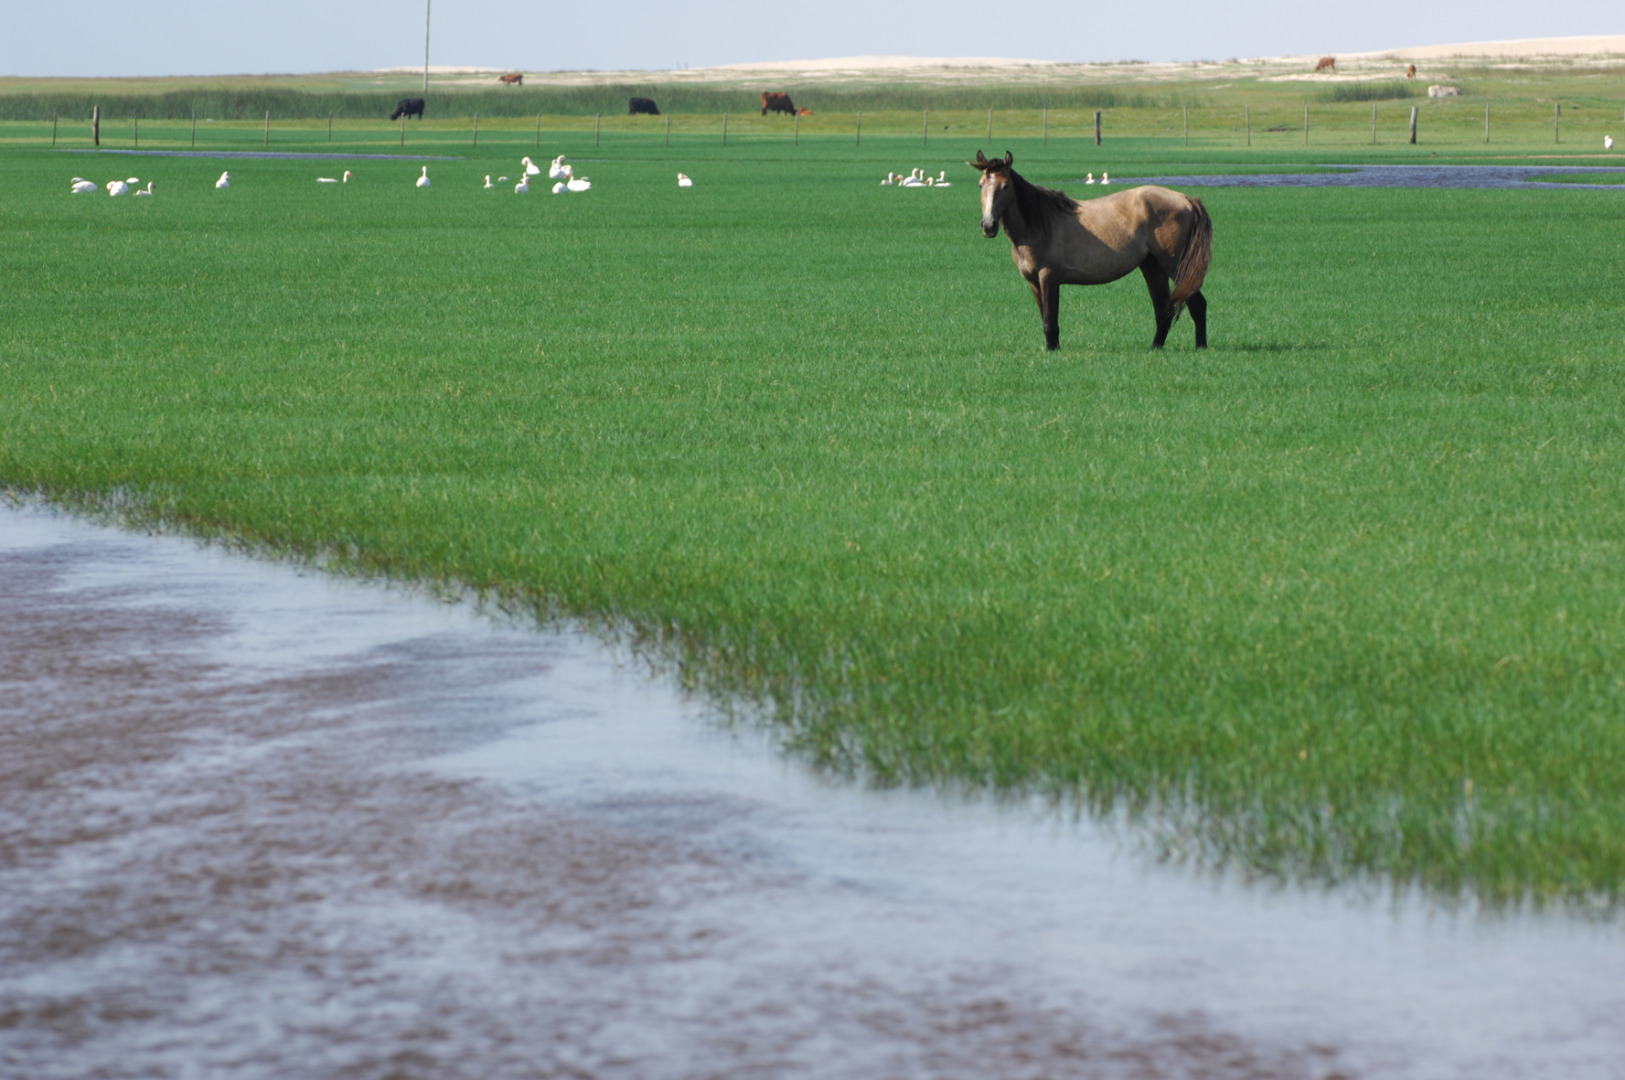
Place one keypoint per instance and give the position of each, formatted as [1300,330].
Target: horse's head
[997,190]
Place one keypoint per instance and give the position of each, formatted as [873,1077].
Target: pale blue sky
[201,37]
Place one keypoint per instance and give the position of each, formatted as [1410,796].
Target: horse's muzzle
[990,229]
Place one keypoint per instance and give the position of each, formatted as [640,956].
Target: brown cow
[1327,63]
[515,79]
[772,102]
[803,112]
[1410,71]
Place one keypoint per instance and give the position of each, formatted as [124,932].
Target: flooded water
[258,822]
[1399,176]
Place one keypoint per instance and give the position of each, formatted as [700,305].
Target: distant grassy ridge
[608,99]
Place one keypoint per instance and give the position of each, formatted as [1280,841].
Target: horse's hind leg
[1049,303]
[1198,308]
[1156,279]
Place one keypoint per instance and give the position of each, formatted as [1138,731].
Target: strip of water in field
[1396,176]
[260,822]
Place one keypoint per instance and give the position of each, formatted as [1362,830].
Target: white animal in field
[891,178]
[521,188]
[558,170]
[224,181]
[1607,142]
[502,179]
[81,186]
[132,181]
[578,183]
[558,187]
[117,187]
[1437,91]
[1089,179]
[488,181]
[423,181]
[333,180]
[531,168]
[1105,178]
[148,190]
[913,179]
[942,179]
[684,181]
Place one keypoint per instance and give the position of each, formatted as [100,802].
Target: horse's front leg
[1048,290]
[1198,309]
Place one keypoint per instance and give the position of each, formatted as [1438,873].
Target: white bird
[423,181]
[82,186]
[942,179]
[117,187]
[578,183]
[502,179]
[558,187]
[224,181]
[148,190]
[891,178]
[1089,179]
[521,188]
[1105,178]
[558,170]
[488,181]
[132,181]
[333,180]
[683,181]
[348,175]
[530,166]
[1607,142]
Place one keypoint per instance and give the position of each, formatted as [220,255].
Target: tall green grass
[1337,597]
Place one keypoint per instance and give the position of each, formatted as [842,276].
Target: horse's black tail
[1194,260]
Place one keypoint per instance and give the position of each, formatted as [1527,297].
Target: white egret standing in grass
[117,187]
[81,186]
[224,181]
[423,181]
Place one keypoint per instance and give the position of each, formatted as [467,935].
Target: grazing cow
[411,106]
[515,79]
[1444,91]
[772,102]
[642,106]
[1410,71]
[803,112]
[1327,63]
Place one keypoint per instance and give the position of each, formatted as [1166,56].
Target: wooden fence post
[538,131]
[329,124]
[1413,125]
[990,127]
[268,128]
[53,127]
[96,124]
[476,129]
[1097,127]
[194,128]
[597,123]
[137,121]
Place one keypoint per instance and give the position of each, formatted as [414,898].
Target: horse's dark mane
[1038,203]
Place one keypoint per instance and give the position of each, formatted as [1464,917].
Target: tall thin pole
[1413,125]
[538,131]
[96,124]
[53,125]
[194,128]
[329,124]
[426,6]
[990,127]
[476,129]
[268,128]
[1097,127]
[597,122]
[138,131]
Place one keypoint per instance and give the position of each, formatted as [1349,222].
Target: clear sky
[208,37]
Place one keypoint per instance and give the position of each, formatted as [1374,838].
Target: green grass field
[1341,596]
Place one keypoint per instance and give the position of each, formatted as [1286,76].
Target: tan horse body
[1057,241]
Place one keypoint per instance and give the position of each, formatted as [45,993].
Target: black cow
[642,106]
[411,106]
[772,102]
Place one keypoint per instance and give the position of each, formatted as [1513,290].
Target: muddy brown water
[260,822]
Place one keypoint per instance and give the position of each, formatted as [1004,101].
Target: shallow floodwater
[260,822]
[1399,176]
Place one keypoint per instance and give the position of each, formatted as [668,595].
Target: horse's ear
[1008,159]
[980,162]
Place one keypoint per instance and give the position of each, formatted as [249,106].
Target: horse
[516,79]
[1057,241]
[412,106]
[1410,71]
[1326,62]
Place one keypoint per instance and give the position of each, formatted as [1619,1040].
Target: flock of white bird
[80,186]
[917,178]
